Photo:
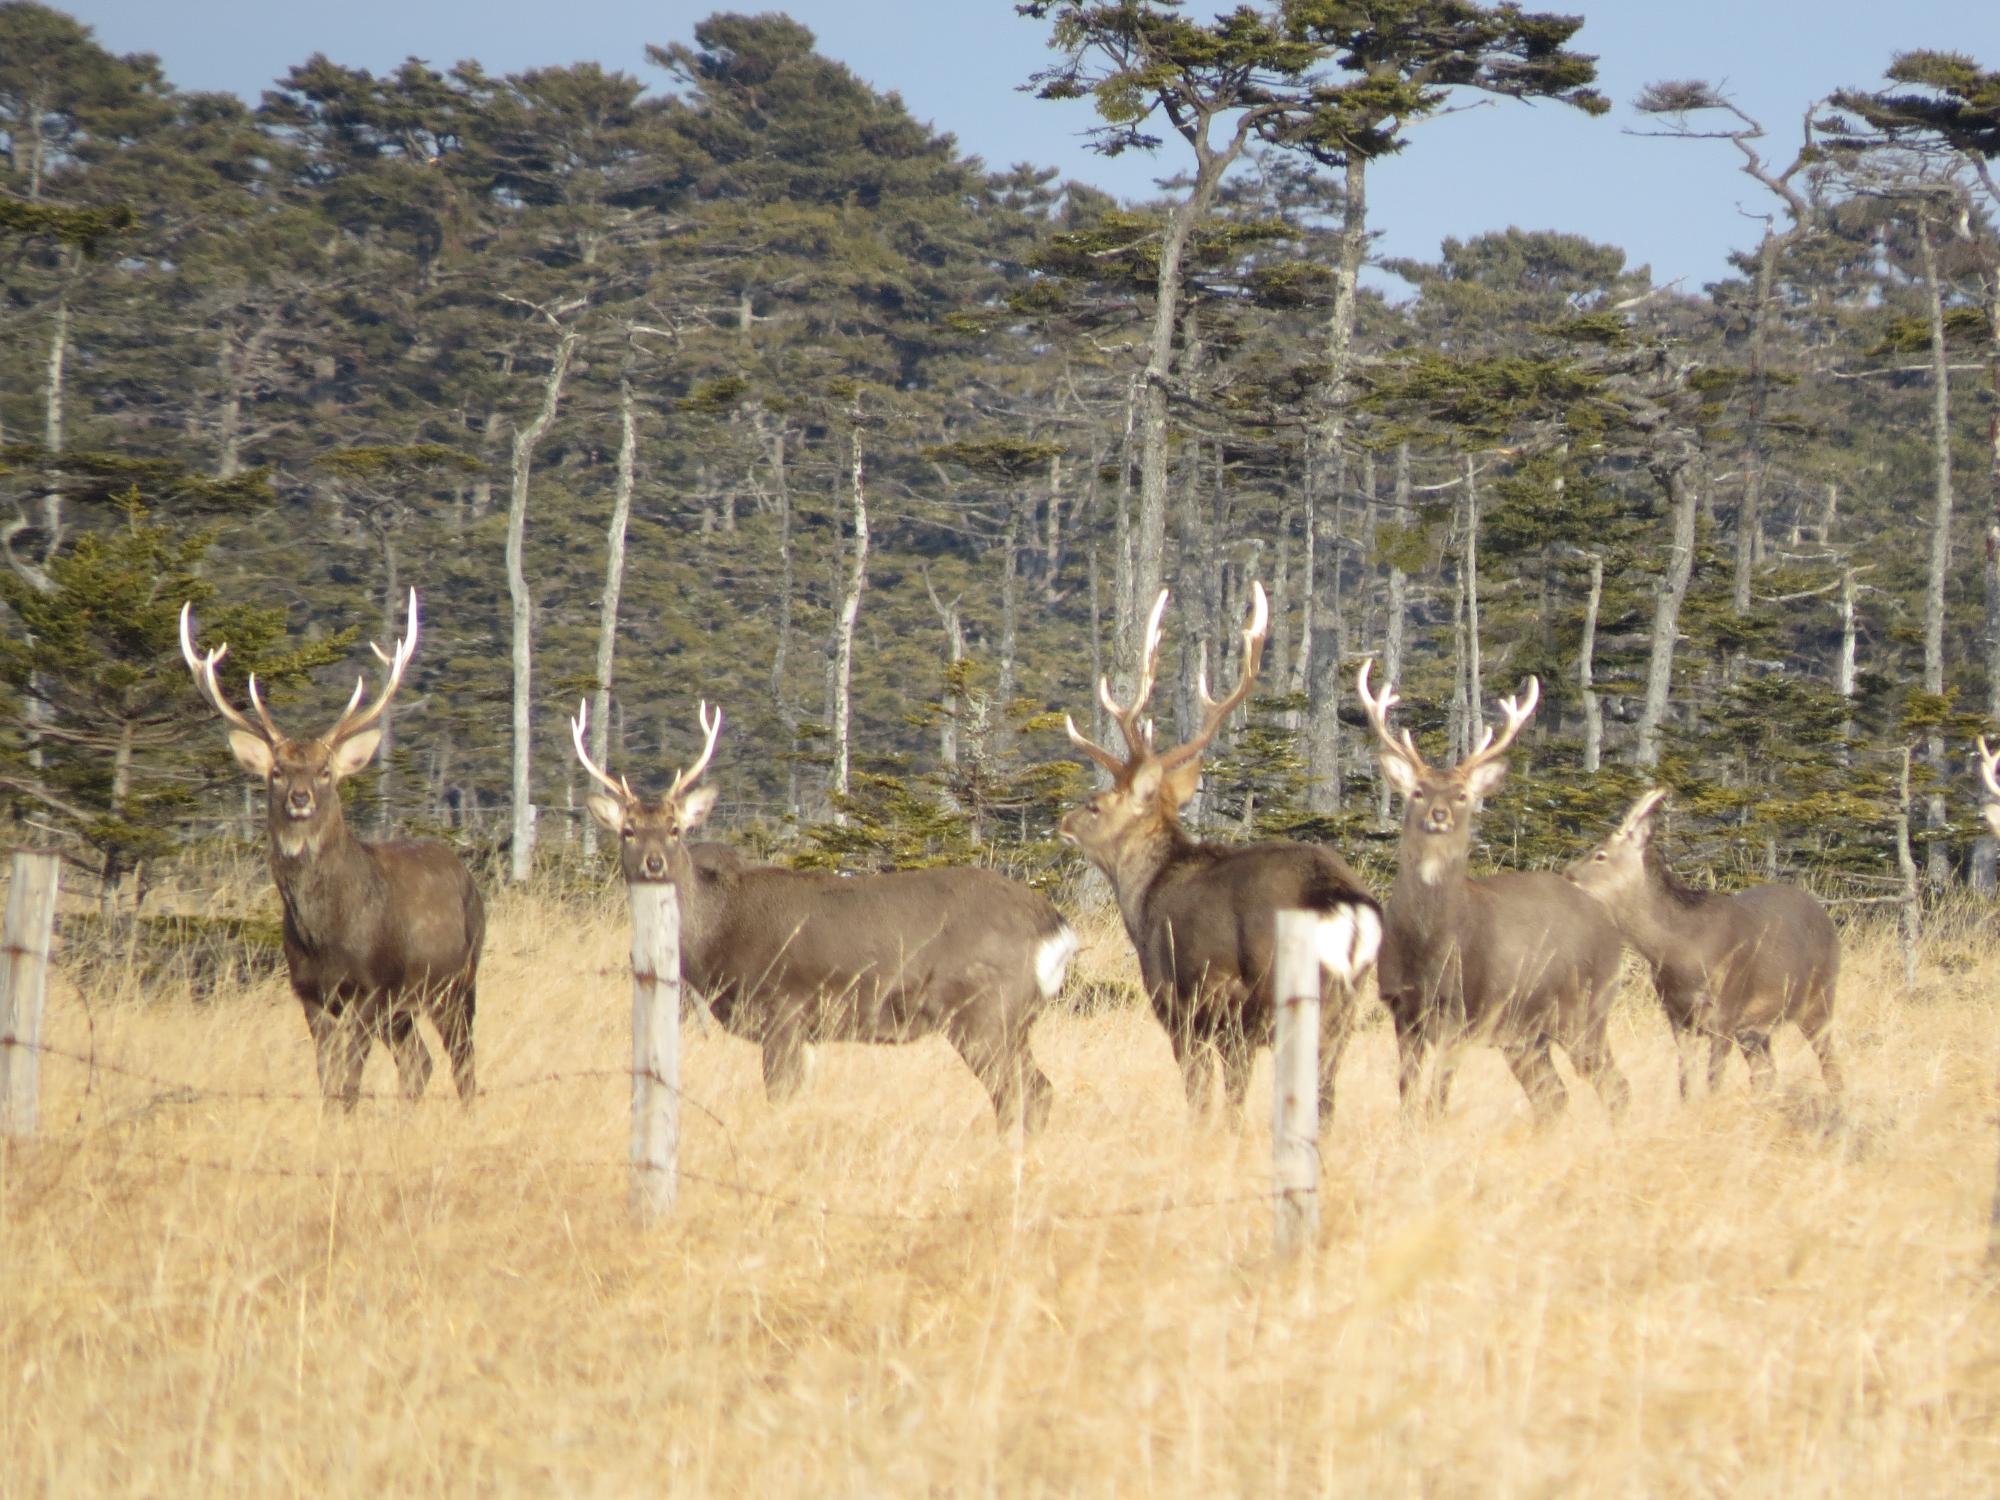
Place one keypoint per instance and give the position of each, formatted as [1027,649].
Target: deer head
[1616,868]
[1989,772]
[1439,805]
[1149,786]
[301,774]
[652,835]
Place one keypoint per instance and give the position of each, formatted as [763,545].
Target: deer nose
[655,864]
[1440,819]
[300,796]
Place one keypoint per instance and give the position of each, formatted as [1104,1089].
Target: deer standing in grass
[1203,916]
[373,933]
[787,958]
[1523,959]
[1731,968]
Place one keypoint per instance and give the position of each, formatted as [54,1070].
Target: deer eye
[628,833]
[1458,797]
[1417,795]
[1600,856]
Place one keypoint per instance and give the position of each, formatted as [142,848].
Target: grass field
[865,1294]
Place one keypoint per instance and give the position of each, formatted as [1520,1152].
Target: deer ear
[1145,783]
[1400,773]
[608,812]
[251,753]
[354,752]
[695,806]
[1182,782]
[1485,776]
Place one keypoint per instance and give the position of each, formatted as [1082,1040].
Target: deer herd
[377,934]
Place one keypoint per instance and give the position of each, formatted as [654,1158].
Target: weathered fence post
[24,981]
[656,1049]
[1295,1084]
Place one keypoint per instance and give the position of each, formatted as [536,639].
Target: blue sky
[1678,206]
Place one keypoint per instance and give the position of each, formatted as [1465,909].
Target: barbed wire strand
[182,1092]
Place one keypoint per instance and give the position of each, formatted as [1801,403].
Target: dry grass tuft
[864,1293]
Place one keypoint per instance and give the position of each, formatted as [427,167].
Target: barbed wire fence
[653,1079]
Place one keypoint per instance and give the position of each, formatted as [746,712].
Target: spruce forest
[728,380]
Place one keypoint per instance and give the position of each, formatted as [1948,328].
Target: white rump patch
[1348,941]
[1052,956]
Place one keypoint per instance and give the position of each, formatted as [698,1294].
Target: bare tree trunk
[1990,283]
[850,612]
[1750,517]
[392,584]
[614,587]
[954,701]
[781,698]
[1395,607]
[1593,711]
[1683,500]
[1096,648]
[1321,649]
[1937,866]
[1281,603]
[1474,675]
[1124,581]
[522,607]
[1010,615]
[1052,537]
[1844,676]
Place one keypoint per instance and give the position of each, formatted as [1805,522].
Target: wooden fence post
[656,1049]
[24,981]
[1295,1084]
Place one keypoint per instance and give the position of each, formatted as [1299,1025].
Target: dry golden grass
[211,1295]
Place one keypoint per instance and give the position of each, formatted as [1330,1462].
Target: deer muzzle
[299,802]
[654,865]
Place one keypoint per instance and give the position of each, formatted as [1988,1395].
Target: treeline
[731,381]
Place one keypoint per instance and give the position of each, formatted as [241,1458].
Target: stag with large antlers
[1523,959]
[1203,916]
[788,958]
[374,933]
[1731,968]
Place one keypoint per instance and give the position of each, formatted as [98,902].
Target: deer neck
[1655,922]
[323,873]
[1139,862]
[1429,893]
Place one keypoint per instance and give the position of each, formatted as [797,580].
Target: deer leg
[1593,1059]
[1829,1060]
[1238,1058]
[1757,1053]
[1687,1043]
[1336,1024]
[340,1046]
[1007,1069]
[1719,1048]
[453,1017]
[1409,1060]
[1197,1061]
[1538,1077]
[413,1058]
[784,1064]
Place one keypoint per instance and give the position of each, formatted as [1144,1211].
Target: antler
[1518,714]
[350,723]
[621,788]
[713,727]
[1640,811]
[203,667]
[1377,708]
[1138,742]
[1213,713]
[1989,768]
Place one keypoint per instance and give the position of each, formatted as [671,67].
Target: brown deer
[788,958]
[1203,916]
[1731,968]
[1523,959]
[373,932]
